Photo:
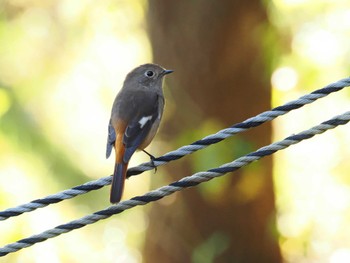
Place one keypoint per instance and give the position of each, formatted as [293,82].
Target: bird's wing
[110,139]
[140,125]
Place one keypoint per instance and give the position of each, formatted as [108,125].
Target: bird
[135,117]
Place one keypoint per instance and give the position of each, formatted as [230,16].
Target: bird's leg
[152,160]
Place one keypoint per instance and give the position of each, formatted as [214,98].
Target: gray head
[148,75]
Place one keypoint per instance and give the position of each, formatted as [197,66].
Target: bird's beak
[167,71]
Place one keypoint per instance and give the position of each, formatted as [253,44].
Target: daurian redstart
[136,114]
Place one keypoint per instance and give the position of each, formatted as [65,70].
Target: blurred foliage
[312,195]
[211,248]
[61,64]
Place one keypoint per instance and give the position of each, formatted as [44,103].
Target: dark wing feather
[135,134]
[110,139]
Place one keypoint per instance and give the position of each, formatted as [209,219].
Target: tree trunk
[220,78]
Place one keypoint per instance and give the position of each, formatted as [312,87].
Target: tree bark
[221,77]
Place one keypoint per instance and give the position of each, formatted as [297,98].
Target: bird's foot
[152,160]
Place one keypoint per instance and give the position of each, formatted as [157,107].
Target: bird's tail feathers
[118,180]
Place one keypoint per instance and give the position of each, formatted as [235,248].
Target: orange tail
[118,182]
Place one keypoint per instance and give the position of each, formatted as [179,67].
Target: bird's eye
[149,73]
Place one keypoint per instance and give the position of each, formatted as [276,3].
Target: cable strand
[185,182]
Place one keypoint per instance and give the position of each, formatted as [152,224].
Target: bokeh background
[61,65]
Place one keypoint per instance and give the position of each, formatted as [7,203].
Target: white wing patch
[144,120]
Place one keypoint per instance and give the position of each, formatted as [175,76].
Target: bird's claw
[152,160]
